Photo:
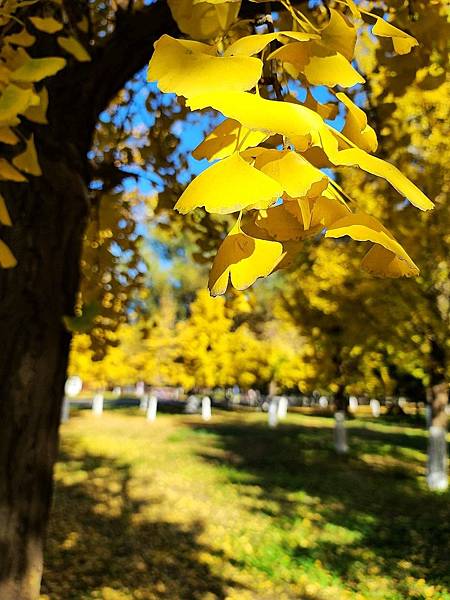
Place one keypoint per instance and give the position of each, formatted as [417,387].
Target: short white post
[65,412]
[353,404]
[72,388]
[192,405]
[323,402]
[143,402]
[340,433]
[206,408]
[97,405]
[282,407]
[272,412]
[437,465]
[375,407]
[152,407]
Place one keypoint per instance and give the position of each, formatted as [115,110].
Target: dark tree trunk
[438,401]
[49,215]
[341,401]
[341,411]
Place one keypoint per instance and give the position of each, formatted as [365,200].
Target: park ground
[180,509]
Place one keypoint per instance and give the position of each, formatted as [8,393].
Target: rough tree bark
[49,215]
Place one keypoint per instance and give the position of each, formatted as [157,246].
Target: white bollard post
[282,407]
[353,404]
[72,388]
[375,407]
[206,408]
[65,412]
[437,465]
[323,402]
[97,405]
[143,402]
[152,407]
[140,388]
[192,405]
[272,413]
[340,433]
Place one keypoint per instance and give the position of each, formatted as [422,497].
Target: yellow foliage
[47,24]
[7,259]
[284,139]
[229,186]
[74,47]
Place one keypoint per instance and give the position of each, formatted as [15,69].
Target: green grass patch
[180,509]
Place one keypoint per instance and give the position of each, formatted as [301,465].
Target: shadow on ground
[97,548]
[398,529]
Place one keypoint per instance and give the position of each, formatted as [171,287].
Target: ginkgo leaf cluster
[270,153]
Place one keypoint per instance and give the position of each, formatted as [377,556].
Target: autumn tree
[58,162]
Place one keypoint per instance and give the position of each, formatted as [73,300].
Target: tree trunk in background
[437,465]
[49,216]
[340,432]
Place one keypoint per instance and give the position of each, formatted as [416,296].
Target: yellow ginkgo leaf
[339,34]
[36,69]
[242,259]
[297,176]
[301,209]
[356,127]
[276,223]
[228,186]
[253,44]
[22,38]
[38,113]
[327,210]
[180,68]
[9,173]
[362,228]
[83,24]
[5,219]
[15,100]
[7,136]
[203,21]
[28,160]
[74,47]
[226,138]
[46,24]
[254,112]
[7,260]
[320,65]
[402,42]
[383,263]
[356,157]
